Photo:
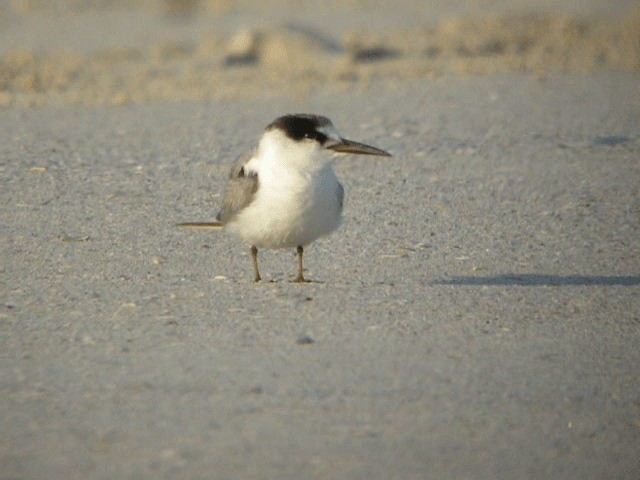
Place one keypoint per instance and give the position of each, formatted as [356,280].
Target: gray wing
[240,191]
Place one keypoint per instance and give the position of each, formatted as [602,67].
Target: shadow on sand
[538,280]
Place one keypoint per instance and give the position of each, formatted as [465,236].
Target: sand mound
[293,59]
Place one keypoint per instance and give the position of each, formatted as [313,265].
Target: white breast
[297,199]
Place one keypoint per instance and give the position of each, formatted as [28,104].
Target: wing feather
[240,192]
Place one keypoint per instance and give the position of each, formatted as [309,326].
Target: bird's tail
[201,225]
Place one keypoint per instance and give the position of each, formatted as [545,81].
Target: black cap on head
[300,126]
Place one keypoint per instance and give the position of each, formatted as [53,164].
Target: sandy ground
[477,316]
[175,50]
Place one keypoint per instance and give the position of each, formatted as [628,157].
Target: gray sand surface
[477,316]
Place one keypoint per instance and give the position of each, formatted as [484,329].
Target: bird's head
[305,135]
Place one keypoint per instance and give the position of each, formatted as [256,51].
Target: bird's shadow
[541,280]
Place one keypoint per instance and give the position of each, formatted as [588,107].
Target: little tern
[285,194]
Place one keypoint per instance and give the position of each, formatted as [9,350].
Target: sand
[476,316]
[110,54]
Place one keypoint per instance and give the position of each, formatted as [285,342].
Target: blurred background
[115,52]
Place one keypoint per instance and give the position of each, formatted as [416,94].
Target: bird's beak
[349,146]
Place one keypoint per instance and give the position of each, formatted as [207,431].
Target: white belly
[291,211]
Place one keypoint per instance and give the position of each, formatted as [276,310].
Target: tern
[285,193]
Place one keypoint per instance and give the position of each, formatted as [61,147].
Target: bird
[285,194]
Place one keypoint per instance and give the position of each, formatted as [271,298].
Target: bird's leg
[254,254]
[300,278]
